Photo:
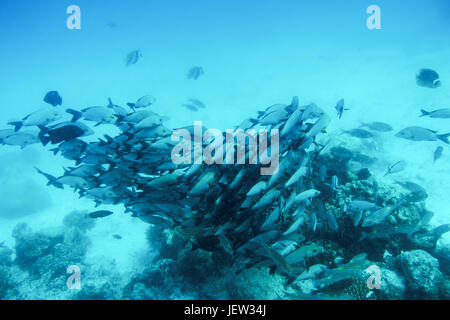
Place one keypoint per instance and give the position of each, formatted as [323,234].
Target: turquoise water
[254,54]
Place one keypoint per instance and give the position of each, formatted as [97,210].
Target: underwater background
[254,54]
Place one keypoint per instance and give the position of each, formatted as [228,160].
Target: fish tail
[55,151]
[76,114]
[17,125]
[444,137]
[51,179]
[44,139]
[424,113]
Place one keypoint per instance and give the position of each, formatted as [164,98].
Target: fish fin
[76,114]
[444,137]
[110,103]
[55,151]
[17,125]
[424,113]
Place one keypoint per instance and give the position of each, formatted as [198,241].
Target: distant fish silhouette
[133,57]
[190,107]
[53,98]
[198,103]
[195,73]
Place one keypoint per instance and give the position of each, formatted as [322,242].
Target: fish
[428,78]
[396,167]
[21,139]
[117,236]
[386,230]
[305,195]
[142,102]
[117,110]
[149,122]
[195,73]
[331,220]
[292,122]
[96,114]
[53,98]
[340,108]
[312,273]
[377,126]
[359,133]
[334,183]
[63,131]
[410,186]
[275,257]
[257,188]
[422,134]
[226,244]
[267,199]
[133,57]
[363,205]
[303,253]
[41,117]
[295,225]
[284,247]
[51,179]
[198,103]
[203,183]
[375,217]
[437,154]
[439,113]
[72,181]
[100,214]
[301,172]
[190,107]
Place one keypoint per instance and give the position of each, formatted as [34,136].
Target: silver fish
[422,134]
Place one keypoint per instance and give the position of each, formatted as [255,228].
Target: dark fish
[428,78]
[117,236]
[133,57]
[437,153]
[190,107]
[53,98]
[377,126]
[64,131]
[195,73]
[359,133]
[100,214]
[198,103]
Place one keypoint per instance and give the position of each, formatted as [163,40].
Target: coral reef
[422,274]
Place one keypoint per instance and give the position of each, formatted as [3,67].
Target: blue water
[254,54]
